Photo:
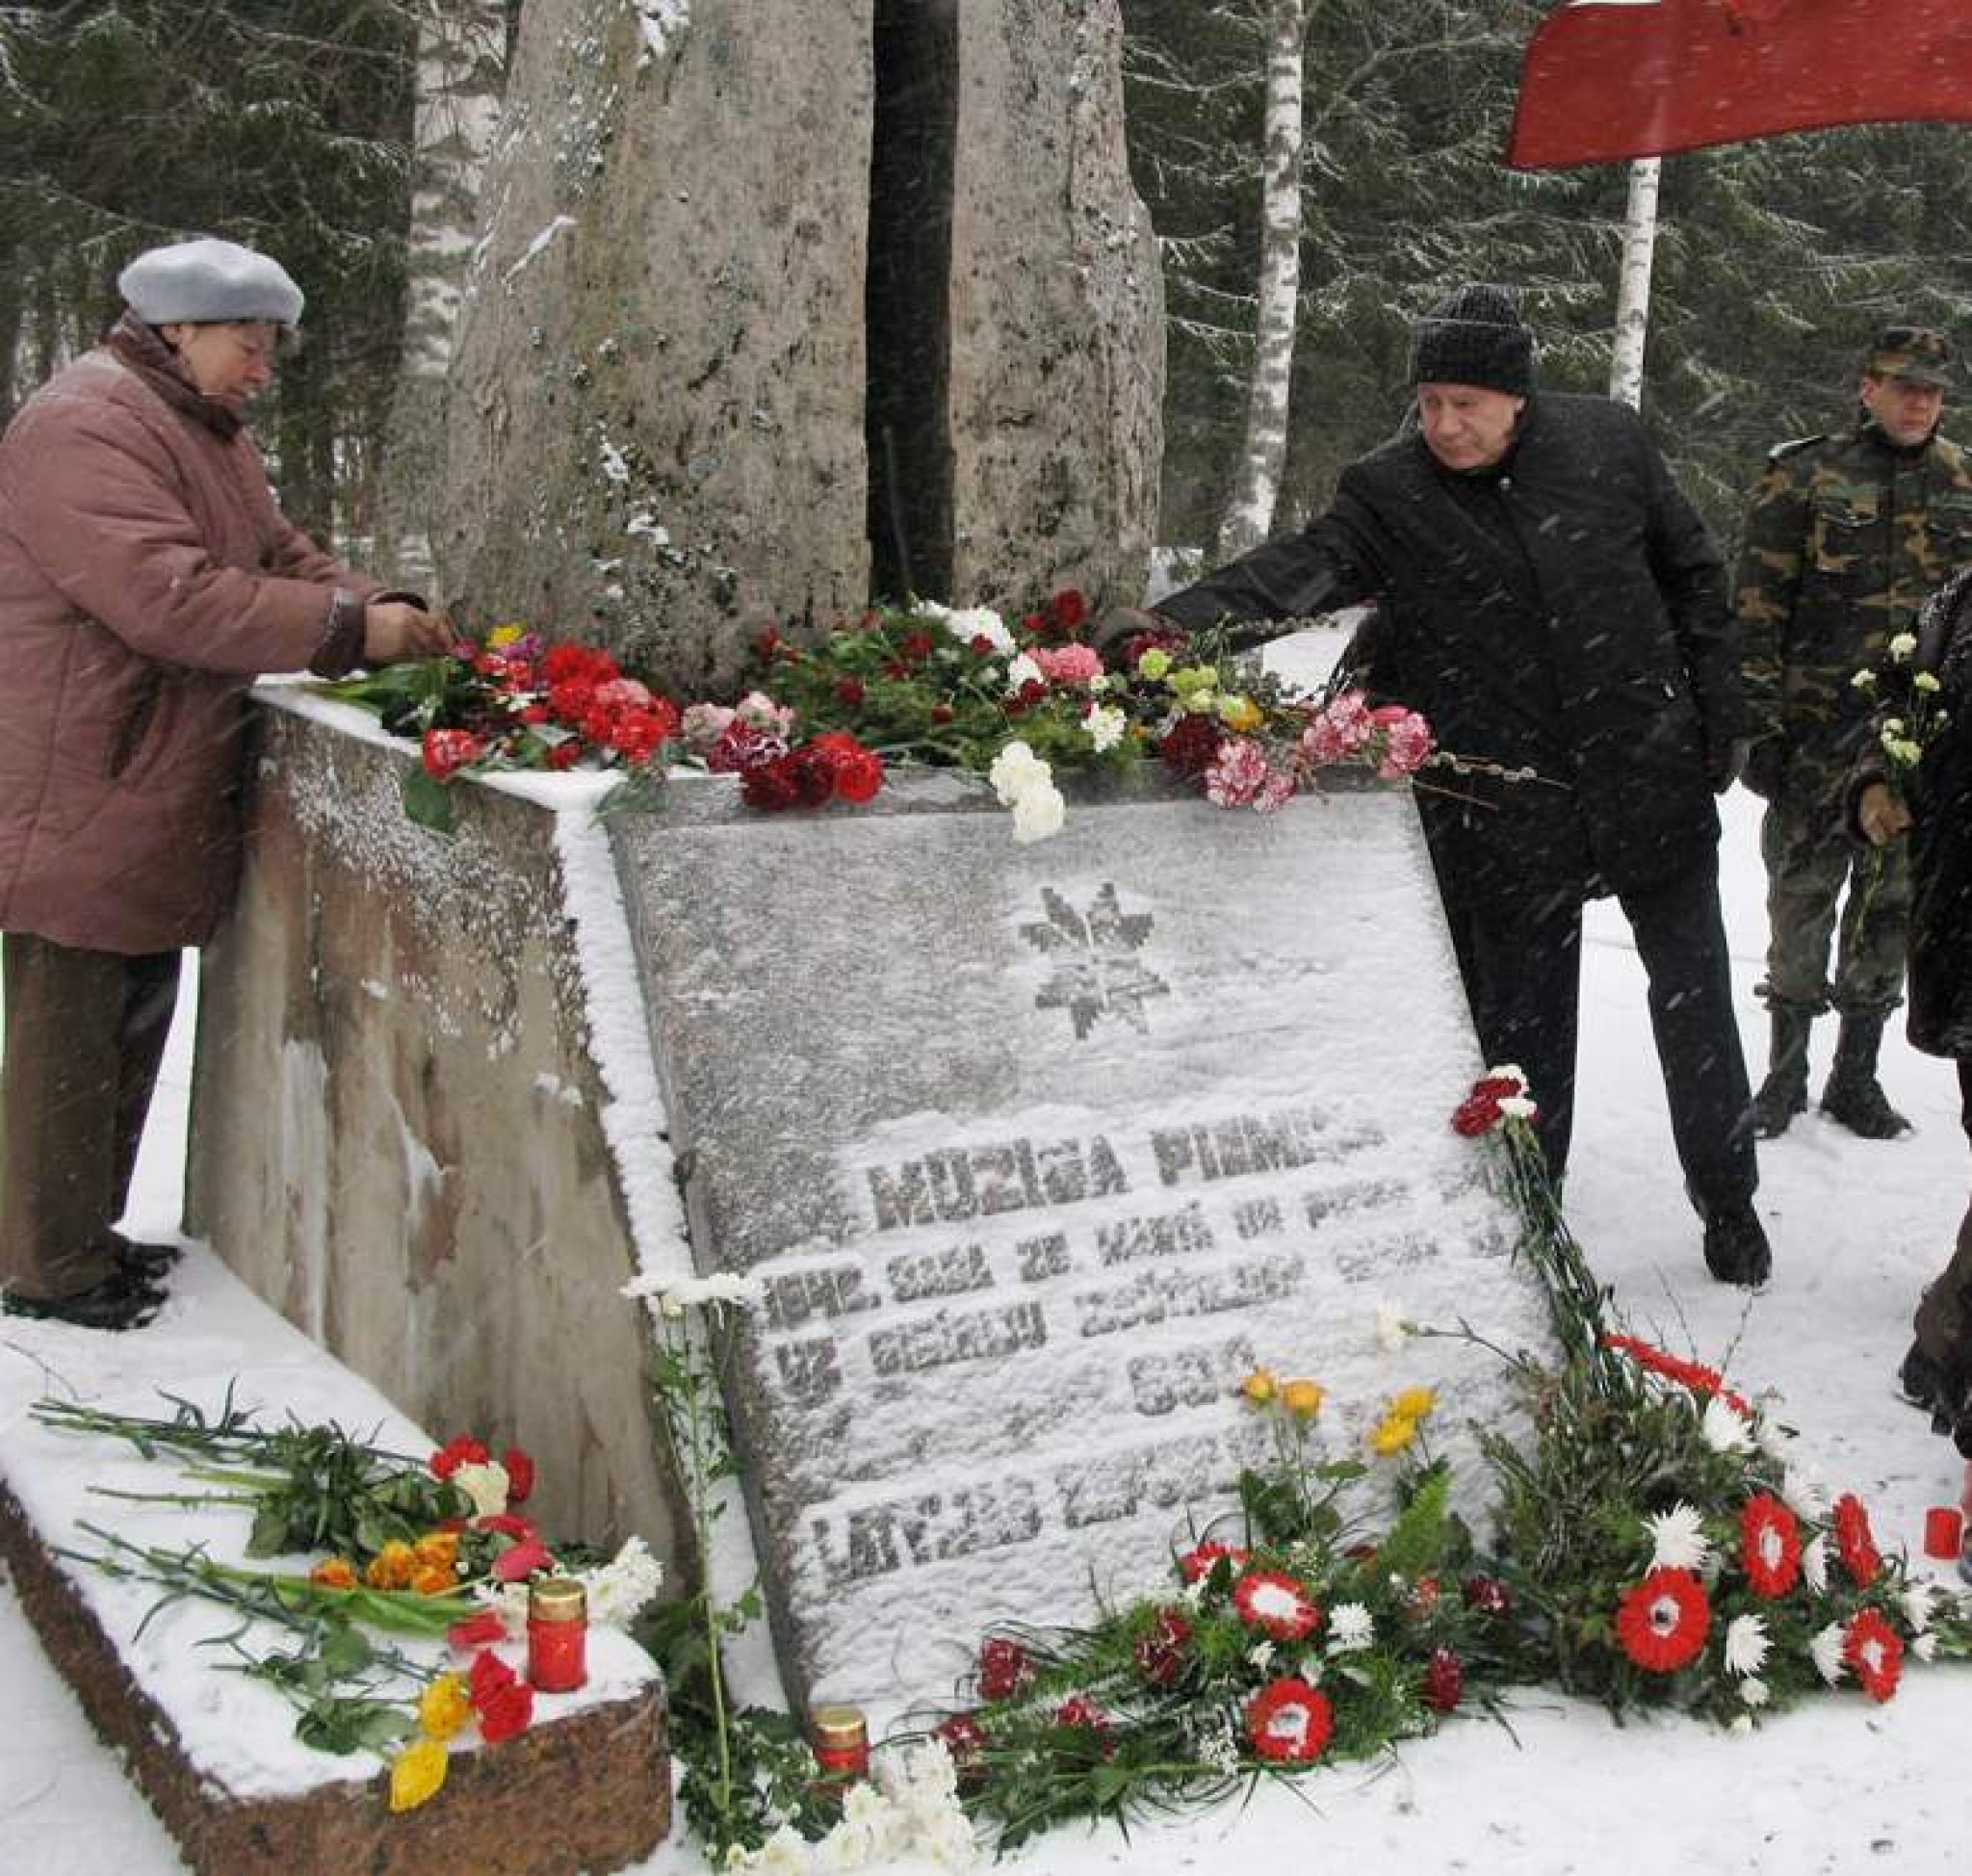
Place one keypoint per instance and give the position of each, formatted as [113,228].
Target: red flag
[1610,79]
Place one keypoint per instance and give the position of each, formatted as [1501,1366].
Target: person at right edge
[1550,601]
[1933,807]
[1847,535]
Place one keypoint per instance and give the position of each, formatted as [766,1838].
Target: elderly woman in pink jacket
[146,577]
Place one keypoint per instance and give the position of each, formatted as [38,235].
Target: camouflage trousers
[1810,862]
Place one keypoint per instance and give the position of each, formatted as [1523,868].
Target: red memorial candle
[557,1636]
[841,1742]
[1943,1527]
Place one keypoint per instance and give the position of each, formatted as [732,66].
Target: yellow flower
[1240,715]
[433,1580]
[503,636]
[1414,1404]
[1393,1435]
[437,1548]
[416,1773]
[1259,1386]
[1154,664]
[443,1708]
[391,1566]
[1302,1398]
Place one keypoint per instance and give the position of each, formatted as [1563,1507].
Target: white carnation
[1024,671]
[486,1484]
[1039,815]
[970,623]
[1105,725]
[1902,646]
[1016,770]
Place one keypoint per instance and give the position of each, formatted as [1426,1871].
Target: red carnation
[1004,1668]
[849,693]
[477,1632]
[565,755]
[1289,1722]
[520,1475]
[464,1451]
[504,1701]
[1190,748]
[1853,1539]
[1079,1714]
[448,751]
[1161,1650]
[768,785]
[1444,1681]
[1067,609]
[1769,1544]
[1875,1650]
[520,1561]
[913,647]
[1663,1622]
[1488,1595]
[964,1739]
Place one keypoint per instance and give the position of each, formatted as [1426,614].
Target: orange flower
[443,1708]
[433,1578]
[437,1548]
[338,1572]
[391,1566]
[417,1772]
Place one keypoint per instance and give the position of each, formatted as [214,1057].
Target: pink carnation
[1338,730]
[1067,664]
[703,726]
[1275,791]
[1407,742]
[1237,773]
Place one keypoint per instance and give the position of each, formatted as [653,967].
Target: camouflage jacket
[1846,539]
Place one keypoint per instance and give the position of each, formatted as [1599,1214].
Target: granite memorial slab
[1038,1151]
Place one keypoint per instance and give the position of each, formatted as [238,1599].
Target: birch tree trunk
[463,53]
[1633,289]
[1249,514]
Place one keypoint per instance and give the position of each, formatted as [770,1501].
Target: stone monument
[780,307]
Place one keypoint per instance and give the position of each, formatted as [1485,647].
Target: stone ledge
[588,1791]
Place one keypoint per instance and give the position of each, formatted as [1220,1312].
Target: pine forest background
[296,125]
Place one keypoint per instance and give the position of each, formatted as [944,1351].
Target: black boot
[123,1300]
[1783,1094]
[1736,1247]
[1853,1096]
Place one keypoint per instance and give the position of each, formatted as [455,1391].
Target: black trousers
[85,1036]
[1521,955]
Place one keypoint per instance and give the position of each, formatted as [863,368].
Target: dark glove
[1766,767]
[1115,628]
[1723,763]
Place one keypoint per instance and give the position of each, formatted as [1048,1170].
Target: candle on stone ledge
[842,1743]
[557,1634]
[1943,1529]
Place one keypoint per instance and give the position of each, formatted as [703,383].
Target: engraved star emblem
[1096,972]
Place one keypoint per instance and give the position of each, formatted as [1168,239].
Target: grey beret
[208,280]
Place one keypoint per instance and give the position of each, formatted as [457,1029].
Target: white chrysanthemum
[1915,1602]
[1926,681]
[1754,1691]
[1746,1643]
[1312,1668]
[970,623]
[1814,1565]
[618,1590]
[1740,1723]
[1864,681]
[1024,671]
[1260,1654]
[1039,815]
[1925,1646]
[1902,646]
[1351,1627]
[486,1484]
[1391,1327]
[1516,1107]
[1725,1427]
[1773,1440]
[1016,770]
[1678,1539]
[1806,1494]
[1506,1072]
[1105,725]
[1826,1650]
[1194,1592]
[784,1854]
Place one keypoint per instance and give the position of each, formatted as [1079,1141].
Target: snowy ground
[1840,1786]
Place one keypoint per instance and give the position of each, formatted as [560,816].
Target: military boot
[1783,1094]
[1853,1096]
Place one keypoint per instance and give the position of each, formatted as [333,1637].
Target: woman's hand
[1881,816]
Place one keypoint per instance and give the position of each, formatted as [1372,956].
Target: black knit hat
[1474,336]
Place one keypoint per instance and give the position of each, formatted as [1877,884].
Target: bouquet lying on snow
[433,1550]
[822,722]
[1660,1542]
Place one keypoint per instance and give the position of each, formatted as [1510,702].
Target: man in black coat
[1549,600]
[1931,802]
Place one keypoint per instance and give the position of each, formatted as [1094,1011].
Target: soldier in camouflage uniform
[1847,536]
